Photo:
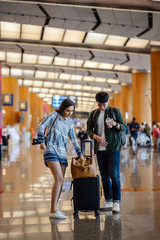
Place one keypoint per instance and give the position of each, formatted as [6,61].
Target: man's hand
[43,146]
[113,123]
[102,141]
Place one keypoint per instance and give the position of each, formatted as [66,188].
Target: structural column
[141,98]
[127,102]
[9,87]
[111,102]
[24,98]
[155,85]
[118,101]
[34,111]
[50,109]
[40,109]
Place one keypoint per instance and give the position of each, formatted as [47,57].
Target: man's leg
[104,171]
[133,144]
[114,166]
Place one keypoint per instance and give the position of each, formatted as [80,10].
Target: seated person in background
[142,127]
[147,130]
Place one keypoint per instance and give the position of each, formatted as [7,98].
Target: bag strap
[113,113]
[51,126]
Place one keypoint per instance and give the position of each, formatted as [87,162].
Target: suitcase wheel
[97,213]
[75,212]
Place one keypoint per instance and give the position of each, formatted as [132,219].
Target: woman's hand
[81,157]
[43,146]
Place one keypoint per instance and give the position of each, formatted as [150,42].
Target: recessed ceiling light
[115,40]
[73,36]
[113,81]
[121,67]
[31,32]
[13,57]
[53,34]
[95,38]
[137,43]
[90,64]
[10,30]
[105,66]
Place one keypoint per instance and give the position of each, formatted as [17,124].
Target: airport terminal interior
[56,50]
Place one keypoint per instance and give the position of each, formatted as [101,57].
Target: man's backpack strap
[113,113]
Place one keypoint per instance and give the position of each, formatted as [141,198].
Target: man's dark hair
[102,97]
[134,119]
[65,104]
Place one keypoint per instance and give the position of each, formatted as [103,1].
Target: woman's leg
[56,170]
[63,172]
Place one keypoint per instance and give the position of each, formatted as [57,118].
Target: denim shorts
[52,156]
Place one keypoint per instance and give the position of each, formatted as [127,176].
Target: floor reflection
[25,189]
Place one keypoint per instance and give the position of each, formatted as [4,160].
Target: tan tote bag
[84,168]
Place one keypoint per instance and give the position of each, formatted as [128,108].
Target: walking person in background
[82,135]
[127,134]
[156,135]
[55,156]
[134,128]
[107,144]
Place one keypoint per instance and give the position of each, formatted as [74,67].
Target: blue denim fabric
[109,166]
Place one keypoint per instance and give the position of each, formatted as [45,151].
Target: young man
[107,143]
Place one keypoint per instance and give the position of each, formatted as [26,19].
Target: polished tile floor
[25,188]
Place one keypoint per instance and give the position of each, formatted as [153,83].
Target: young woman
[55,149]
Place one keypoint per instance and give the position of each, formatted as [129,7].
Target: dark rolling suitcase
[86,194]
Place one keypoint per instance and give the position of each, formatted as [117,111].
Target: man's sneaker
[116,208]
[116,217]
[57,215]
[107,206]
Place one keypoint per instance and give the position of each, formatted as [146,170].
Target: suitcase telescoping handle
[83,142]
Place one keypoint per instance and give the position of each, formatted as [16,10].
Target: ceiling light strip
[79,46]
[66,67]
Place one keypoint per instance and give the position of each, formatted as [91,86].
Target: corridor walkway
[25,188]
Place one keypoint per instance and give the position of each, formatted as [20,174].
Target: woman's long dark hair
[65,104]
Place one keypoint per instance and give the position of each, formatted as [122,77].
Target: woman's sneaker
[116,208]
[61,212]
[57,215]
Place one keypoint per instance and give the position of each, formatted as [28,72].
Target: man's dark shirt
[136,126]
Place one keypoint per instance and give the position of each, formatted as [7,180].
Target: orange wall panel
[10,86]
